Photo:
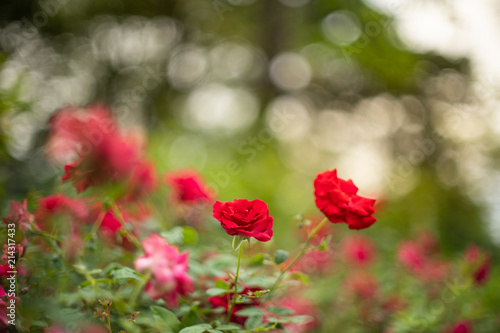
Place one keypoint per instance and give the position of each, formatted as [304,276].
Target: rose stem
[131,236]
[235,285]
[297,258]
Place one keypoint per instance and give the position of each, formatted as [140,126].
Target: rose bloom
[337,199]
[358,250]
[169,268]
[188,187]
[245,218]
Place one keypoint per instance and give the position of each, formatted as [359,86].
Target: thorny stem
[46,237]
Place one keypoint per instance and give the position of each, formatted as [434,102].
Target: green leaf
[215,291]
[200,328]
[190,236]
[250,311]
[300,276]
[280,256]
[221,284]
[165,317]
[181,236]
[125,273]
[190,319]
[174,235]
[253,322]
[280,311]
[257,260]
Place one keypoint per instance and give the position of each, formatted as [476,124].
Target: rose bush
[113,249]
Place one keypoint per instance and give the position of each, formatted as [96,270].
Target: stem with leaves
[297,258]
[127,232]
[230,310]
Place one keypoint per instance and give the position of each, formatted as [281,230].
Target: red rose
[245,218]
[337,199]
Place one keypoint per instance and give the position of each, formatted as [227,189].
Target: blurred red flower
[245,218]
[188,187]
[337,199]
[98,153]
[55,205]
[19,215]
[362,285]
[169,268]
[416,259]
[74,131]
[480,263]
[460,327]
[111,227]
[358,250]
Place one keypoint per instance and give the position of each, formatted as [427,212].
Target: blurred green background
[261,95]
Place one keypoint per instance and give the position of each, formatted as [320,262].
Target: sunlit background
[401,96]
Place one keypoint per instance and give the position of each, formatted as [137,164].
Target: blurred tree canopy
[207,78]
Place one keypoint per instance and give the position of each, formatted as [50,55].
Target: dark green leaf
[190,319]
[163,316]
